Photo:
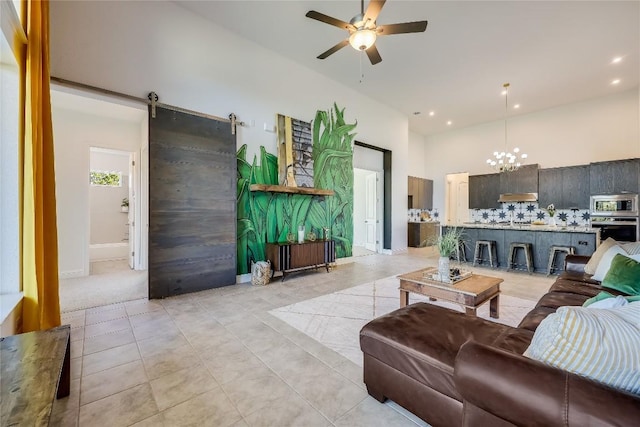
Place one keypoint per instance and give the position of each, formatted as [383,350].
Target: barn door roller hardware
[234,123]
[153,97]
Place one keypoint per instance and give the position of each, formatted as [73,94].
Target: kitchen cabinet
[523,180]
[566,187]
[614,177]
[584,242]
[422,233]
[420,192]
[484,191]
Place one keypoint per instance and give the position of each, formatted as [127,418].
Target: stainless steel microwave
[615,205]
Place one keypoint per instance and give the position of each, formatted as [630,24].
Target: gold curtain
[39,239]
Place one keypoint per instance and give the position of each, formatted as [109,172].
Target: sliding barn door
[192,203]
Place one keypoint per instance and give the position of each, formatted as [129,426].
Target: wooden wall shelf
[291,190]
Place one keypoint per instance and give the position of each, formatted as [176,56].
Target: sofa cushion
[534,317]
[624,275]
[601,344]
[575,287]
[590,267]
[422,341]
[560,299]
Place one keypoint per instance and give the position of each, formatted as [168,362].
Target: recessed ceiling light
[449,123]
[615,82]
[617,60]
[516,106]
[432,113]
[416,113]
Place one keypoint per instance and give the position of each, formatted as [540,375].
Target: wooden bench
[34,368]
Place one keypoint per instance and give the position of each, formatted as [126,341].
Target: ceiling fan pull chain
[361,72]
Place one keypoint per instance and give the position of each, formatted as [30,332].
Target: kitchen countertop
[530,227]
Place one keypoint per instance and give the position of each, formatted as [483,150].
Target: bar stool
[491,248]
[569,250]
[461,251]
[528,254]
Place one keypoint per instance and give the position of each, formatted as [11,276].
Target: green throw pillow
[605,295]
[623,276]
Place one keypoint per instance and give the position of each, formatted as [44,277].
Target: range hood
[518,197]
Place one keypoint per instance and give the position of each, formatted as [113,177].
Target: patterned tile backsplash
[414,215]
[528,212]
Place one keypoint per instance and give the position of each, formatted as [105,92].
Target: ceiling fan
[363,29]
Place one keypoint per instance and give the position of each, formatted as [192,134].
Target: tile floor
[219,358]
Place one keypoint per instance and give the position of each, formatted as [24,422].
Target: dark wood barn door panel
[192,203]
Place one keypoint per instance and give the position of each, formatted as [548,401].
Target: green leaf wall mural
[268,217]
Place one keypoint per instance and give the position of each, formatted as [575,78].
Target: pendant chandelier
[506,161]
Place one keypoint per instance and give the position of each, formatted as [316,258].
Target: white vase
[443,268]
[552,221]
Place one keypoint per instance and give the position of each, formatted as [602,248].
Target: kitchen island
[584,240]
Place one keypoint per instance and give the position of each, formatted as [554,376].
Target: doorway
[99,241]
[369,198]
[111,208]
[457,199]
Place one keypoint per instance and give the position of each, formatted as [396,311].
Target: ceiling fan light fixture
[362,39]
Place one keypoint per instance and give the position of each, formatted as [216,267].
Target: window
[105,179]
[9,112]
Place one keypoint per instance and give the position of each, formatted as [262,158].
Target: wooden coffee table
[470,293]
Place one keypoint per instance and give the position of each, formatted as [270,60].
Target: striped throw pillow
[600,344]
[632,248]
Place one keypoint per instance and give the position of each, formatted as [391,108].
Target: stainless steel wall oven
[616,216]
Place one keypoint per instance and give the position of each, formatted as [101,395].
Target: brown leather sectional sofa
[451,369]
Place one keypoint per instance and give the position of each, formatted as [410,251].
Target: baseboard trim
[70,274]
[243,278]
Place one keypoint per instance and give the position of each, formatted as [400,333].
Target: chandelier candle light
[506,161]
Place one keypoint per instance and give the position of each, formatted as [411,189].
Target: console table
[290,257]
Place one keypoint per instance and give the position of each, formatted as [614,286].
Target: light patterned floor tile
[121,409]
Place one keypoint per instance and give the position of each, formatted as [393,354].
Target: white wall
[600,129]
[417,165]
[139,47]
[108,222]
[74,133]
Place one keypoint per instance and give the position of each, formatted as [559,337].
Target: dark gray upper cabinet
[484,191]
[566,187]
[614,177]
[524,180]
[421,192]
[550,187]
[575,187]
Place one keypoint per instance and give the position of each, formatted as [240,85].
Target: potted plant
[551,210]
[124,205]
[447,244]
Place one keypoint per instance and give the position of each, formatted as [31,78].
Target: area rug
[335,319]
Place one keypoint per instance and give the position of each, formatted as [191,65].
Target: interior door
[192,203]
[371,184]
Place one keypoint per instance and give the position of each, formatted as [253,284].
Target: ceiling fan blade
[334,49]
[329,20]
[407,27]
[374,55]
[373,10]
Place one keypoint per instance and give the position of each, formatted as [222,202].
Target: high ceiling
[552,52]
